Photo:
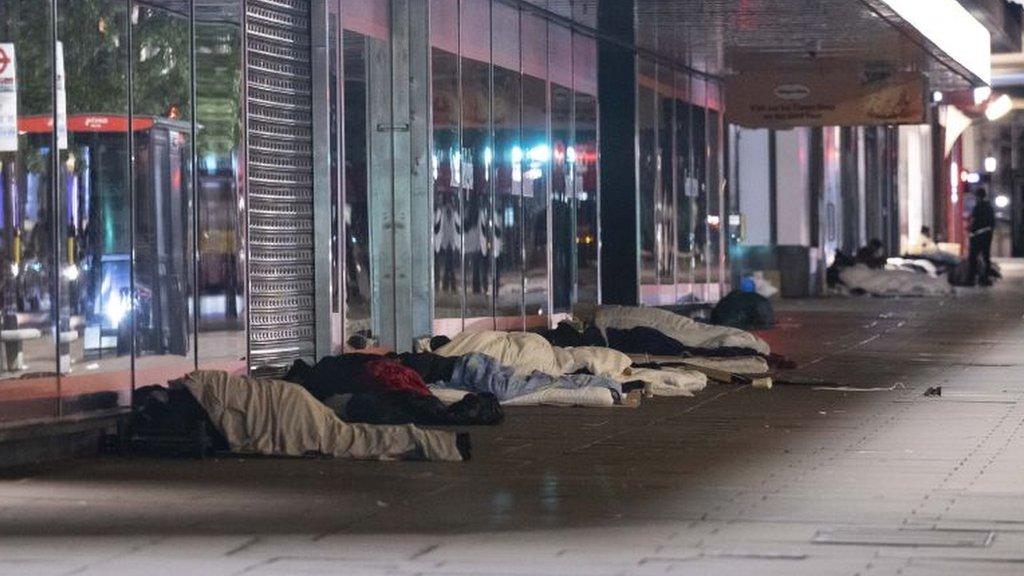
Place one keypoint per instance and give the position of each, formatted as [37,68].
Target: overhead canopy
[937,38]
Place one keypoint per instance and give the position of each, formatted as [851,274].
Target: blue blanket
[477,372]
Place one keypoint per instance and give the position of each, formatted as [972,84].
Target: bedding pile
[887,282]
[527,353]
[370,406]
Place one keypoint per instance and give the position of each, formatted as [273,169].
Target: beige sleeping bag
[680,328]
[277,418]
[527,352]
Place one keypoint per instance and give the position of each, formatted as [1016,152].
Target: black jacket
[983,216]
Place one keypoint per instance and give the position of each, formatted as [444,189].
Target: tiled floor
[792,481]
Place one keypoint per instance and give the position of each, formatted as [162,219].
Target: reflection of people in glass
[476,248]
[447,231]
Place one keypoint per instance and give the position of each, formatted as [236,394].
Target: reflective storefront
[162,183]
[123,225]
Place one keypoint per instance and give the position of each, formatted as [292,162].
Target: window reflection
[698,127]
[664,232]
[356,209]
[28,250]
[95,199]
[647,137]
[507,239]
[715,191]
[477,159]
[535,158]
[164,231]
[446,160]
[584,161]
[563,225]
[686,189]
[220,198]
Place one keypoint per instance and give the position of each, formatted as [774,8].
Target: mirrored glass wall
[681,186]
[514,166]
[117,272]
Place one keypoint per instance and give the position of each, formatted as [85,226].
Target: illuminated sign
[825,98]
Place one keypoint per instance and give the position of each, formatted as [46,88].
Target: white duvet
[680,328]
[893,282]
[277,418]
[527,352]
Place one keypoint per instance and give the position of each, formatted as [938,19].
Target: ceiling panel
[724,37]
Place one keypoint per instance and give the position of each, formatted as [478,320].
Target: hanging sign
[825,98]
[8,99]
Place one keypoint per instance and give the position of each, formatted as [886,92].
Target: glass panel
[647,137]
[508,169]
[477,156]
[584,160]
[665,203]
[164,231]
[562,218]
[686,187]
[447,159]
[334,88]
[715,190]
[698,120]
[355,214]
[220,200]
[95,205]
[536,166]
[27,213]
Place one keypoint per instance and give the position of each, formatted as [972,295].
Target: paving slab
[732,481]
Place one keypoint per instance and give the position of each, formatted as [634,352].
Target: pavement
[849,469]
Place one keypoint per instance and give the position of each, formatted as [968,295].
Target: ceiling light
[981,94]
[1002,201]
[991,164]
[998,108]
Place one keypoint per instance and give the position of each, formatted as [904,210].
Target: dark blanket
[356,374]
[566,336]
[743,310]
[170,420]
[431,367]
[402,408]
[374,389]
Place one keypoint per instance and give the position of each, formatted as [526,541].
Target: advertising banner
[825,98]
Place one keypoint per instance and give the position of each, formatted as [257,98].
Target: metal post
[321,94]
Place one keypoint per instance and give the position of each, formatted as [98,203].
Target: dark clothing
[374,389]
[743,310]
[431,367]
[983,222]
[871,258]
[403,408]
[170,421]
[980,253]
[356,374]
[983,216]
[565,336]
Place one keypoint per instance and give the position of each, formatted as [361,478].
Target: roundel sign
[5,60]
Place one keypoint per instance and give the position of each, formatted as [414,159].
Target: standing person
[983,222]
